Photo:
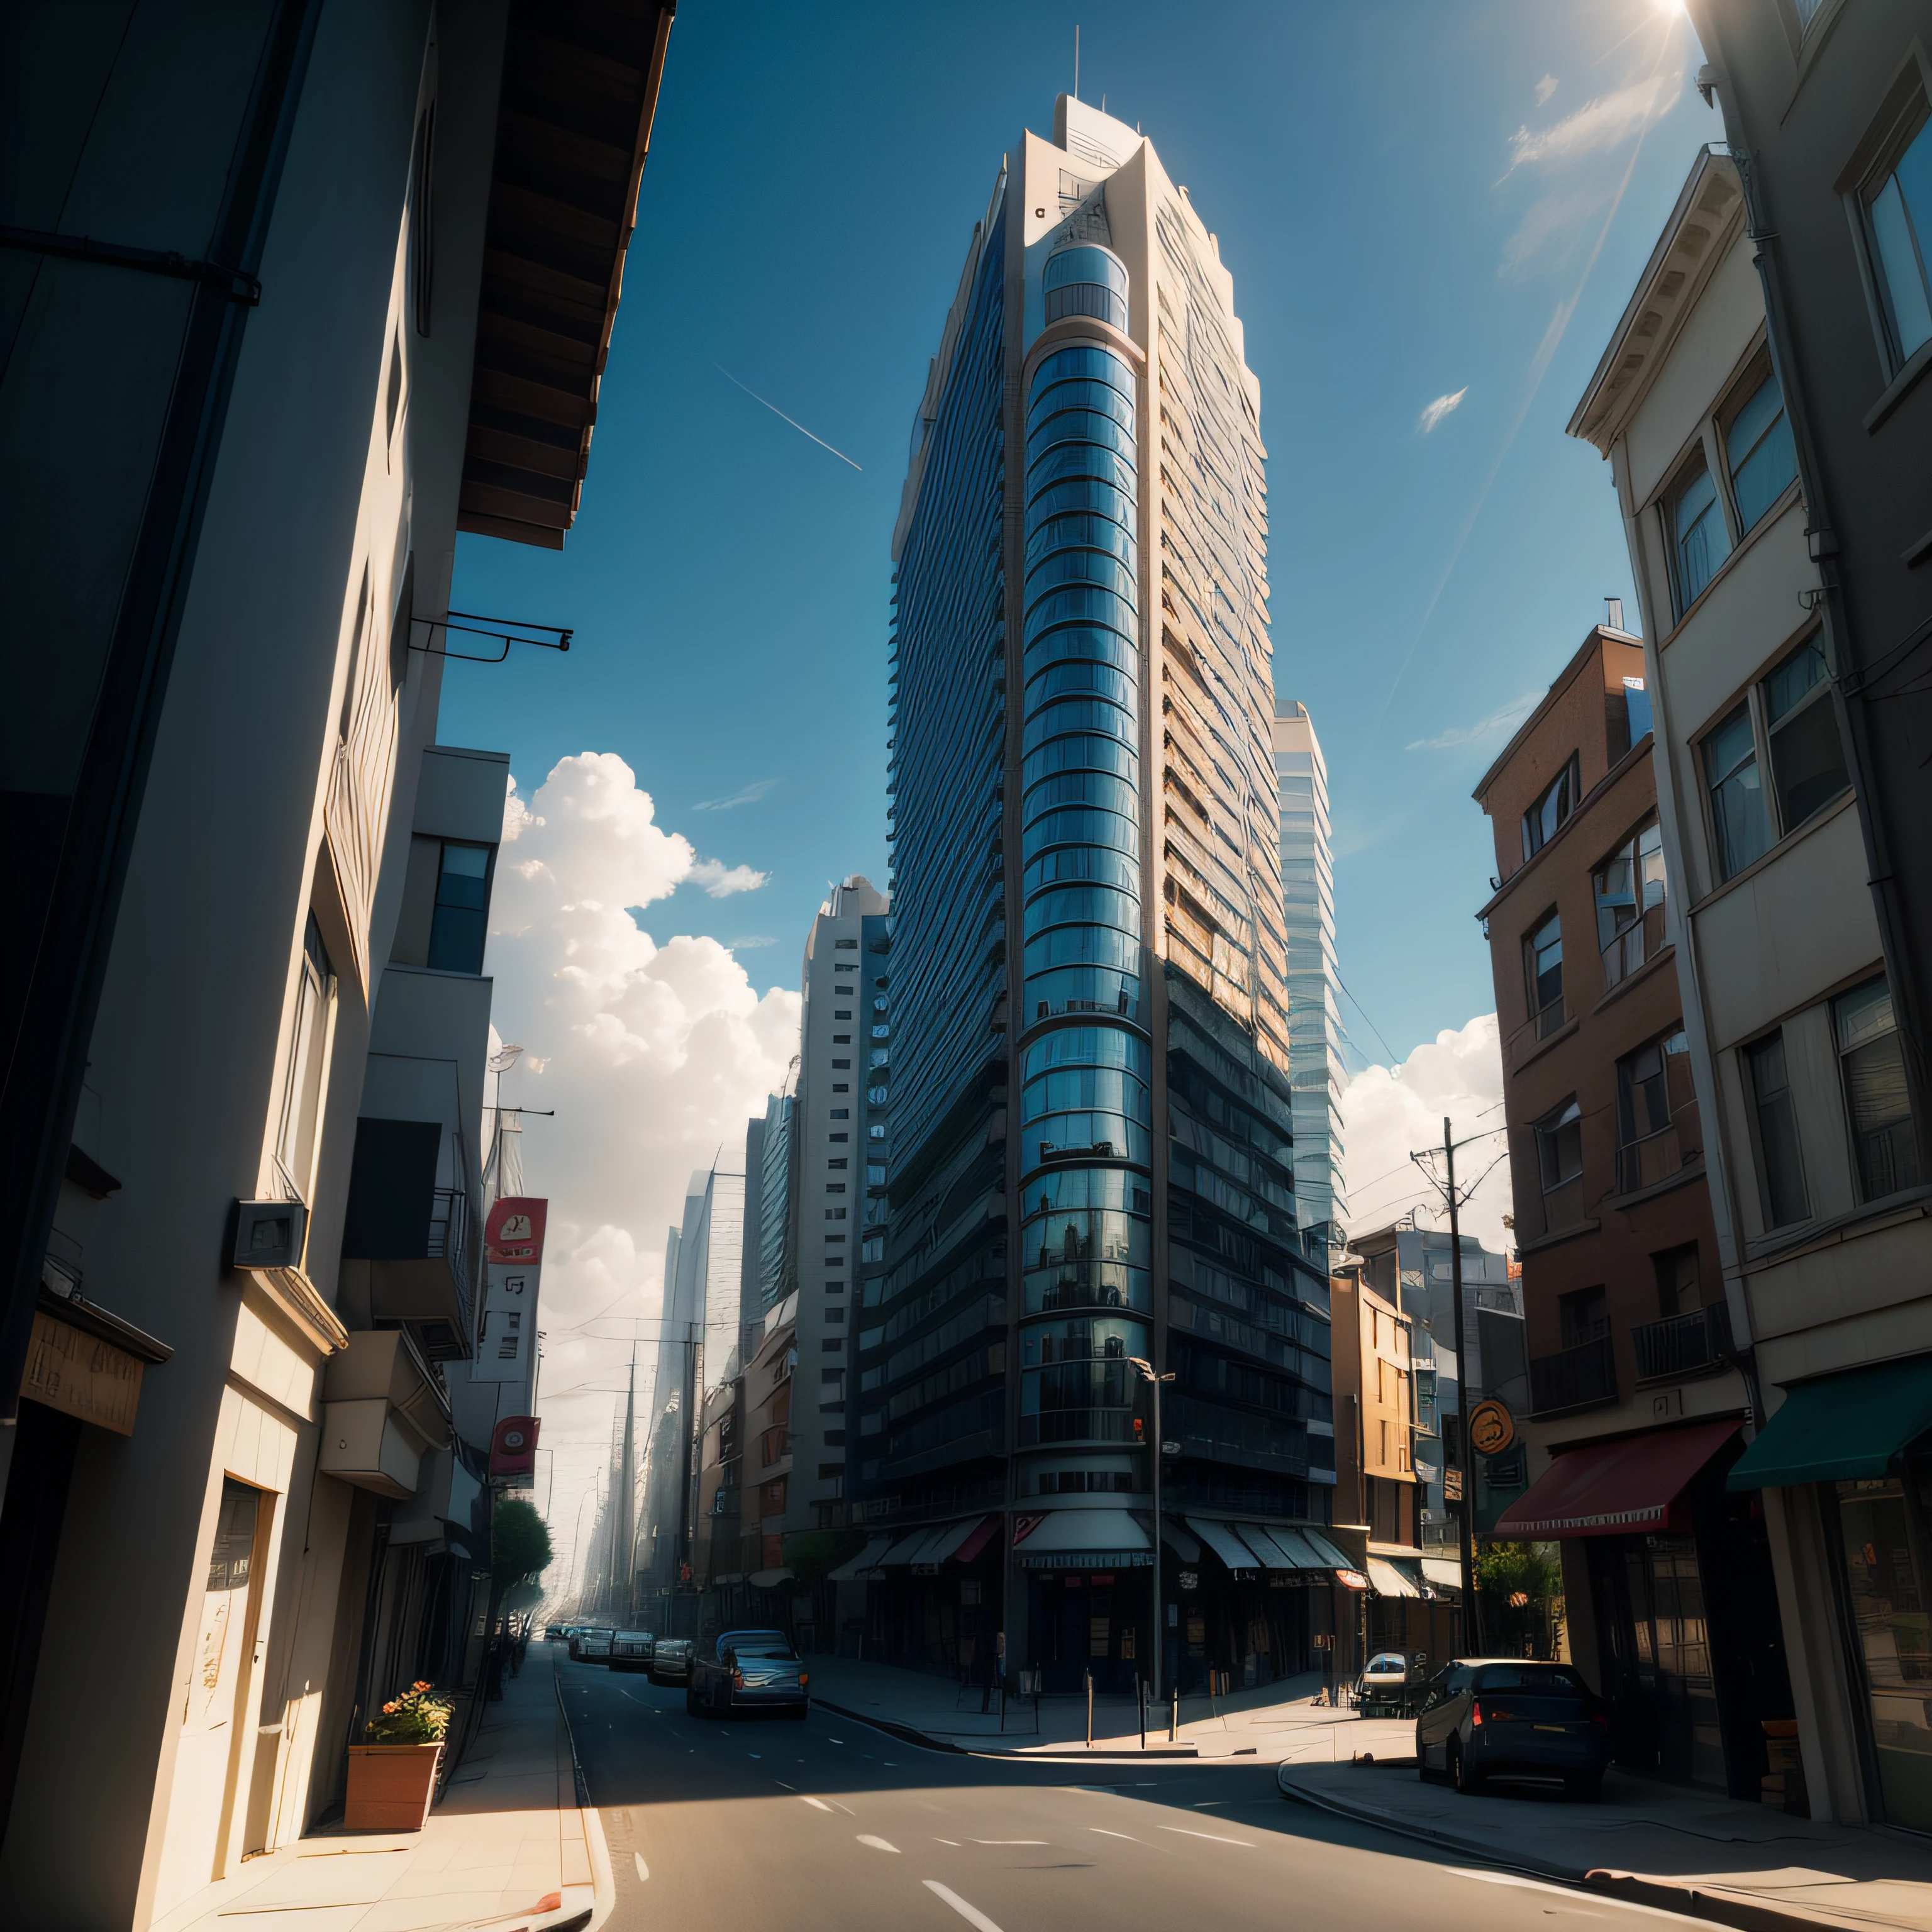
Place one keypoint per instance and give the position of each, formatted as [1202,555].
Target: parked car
[1481,1717]
[671,1661]
[748,1670]
[630,1649]
[591,1645]
[1392,1684]
[555,1633]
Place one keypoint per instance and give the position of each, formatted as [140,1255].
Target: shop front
[1088,1575]
[1675,1579]
[1856,1448]
[931,1598]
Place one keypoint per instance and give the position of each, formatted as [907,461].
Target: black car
[671,1659]
[748,1670]
[1485,1716]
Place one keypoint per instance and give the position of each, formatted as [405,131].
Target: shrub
[419,1716]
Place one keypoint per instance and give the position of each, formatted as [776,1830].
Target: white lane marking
[971,1914]
[756,1754]
[817,1804]
[1215,1836]
[953,1842]
[878,1844]
[846,1808]
[1009,1841]
[644,1870]
[782,1786]
[1128,1835]
[838,1741]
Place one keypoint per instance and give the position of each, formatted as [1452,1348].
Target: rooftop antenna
[1076,61]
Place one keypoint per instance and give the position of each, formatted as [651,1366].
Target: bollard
[1090,1707]
[1173,1717]
[1140,1698]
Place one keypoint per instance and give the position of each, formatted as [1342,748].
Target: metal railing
[1642,939]
[1695,1344]
[1578,1378]
[1656,1157]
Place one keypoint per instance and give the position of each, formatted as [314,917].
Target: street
[712,1823]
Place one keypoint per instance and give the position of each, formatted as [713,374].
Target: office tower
[1314,1029]
[774,1184]
[1090,1110]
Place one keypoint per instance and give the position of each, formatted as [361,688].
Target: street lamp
[1146,1371]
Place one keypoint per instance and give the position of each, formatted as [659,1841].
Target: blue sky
[1410,198]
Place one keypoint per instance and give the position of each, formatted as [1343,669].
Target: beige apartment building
[1795,1053]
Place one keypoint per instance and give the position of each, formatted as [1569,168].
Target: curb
[905,1733]
[925,1741]
[1720,1906]
[603,1880]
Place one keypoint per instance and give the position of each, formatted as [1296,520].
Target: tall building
[1315,1030]
[1090,1112]
[1765,671]
[776,1158]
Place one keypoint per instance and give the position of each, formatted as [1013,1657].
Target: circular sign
[1492,1428]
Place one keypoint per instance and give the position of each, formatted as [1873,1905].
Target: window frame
[1532,978]
[1755,1107]
[1902,118]
[444,847]
[1696,462]
[1841,1054]
[1571,775]
[1759,370]
[311,1049]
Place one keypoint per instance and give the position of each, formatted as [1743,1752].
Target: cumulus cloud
[654,1058]
[1598,125]
[721,881]
[1545,87]
[1388,1112]
[1507,719]
[1443,405]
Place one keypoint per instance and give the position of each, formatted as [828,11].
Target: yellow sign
[80,1375]
[1492,1428]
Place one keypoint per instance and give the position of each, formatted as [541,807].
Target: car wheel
[1584,1787]
[800,1711]
[1465,1779]
[1421,1757]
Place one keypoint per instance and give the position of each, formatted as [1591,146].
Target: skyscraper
[1090,1110]
[1315,1030]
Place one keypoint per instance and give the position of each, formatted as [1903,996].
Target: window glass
[1781,1174]
[1758,447]
[1545,948]
[1583,1316]
[1738,817]
[1541,821]
[302,1086]
[462,898]
[1808,761]
[1873,1069]
[1637,707]
[1901,210]
[1559,1145]
[1699,539]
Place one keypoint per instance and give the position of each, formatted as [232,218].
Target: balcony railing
[1695,1344]
[1578,1378]
[1640,940]
[1657,1157]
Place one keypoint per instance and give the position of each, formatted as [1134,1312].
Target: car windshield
[1389,1663]
[1546,1680]
[776,1648]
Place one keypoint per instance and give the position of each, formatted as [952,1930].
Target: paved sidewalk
[1740,1865]
[1280,1722]
[507,1848]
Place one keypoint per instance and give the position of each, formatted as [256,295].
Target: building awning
[864,1563]
[768,1579]
[944,1542]
[977,1538]
[1225,1543]
[1391,1579]
[1840,1427]
[1259,1540]
[1093,1539]
[900,1552]
[1615,1489]
[920,1547]
[1178,1540]
[1442,1572]
[1331,1557]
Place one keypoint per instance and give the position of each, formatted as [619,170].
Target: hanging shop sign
[1452,1486]
[1491,1427]
[513,1447]
[513,1240]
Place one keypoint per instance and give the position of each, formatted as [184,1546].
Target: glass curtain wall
[1085,1059]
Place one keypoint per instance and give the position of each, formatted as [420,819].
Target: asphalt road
[765,1823]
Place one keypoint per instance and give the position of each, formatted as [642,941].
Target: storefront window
[1882,1528]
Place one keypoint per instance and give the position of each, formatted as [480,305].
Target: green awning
[1840,1427]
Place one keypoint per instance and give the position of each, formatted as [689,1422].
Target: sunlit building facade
[1090,1107]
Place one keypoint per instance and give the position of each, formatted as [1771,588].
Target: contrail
[780,413]
[1552,337]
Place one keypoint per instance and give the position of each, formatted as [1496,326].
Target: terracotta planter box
[390,1786]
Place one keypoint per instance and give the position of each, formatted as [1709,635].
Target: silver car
[592,1646]
[749,1669]
[671,1661]
[630,1649]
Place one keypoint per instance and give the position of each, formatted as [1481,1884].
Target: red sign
[513,1448]
[515,1231]
[1024,1526]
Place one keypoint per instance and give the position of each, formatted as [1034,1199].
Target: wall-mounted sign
[81,1375]
[1452,1486]
[1491,1427]
[513,1447]
[513,1259]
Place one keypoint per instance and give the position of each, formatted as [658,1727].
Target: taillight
[737,1680]
[1476,1714]
[1601,1719]
[803,1680]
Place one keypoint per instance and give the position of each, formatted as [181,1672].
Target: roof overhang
[580,90]
[1709,205]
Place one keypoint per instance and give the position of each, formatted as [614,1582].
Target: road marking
[953,1842]
[1128,1835]
[838,1741]
[971,1914]
[1215,1836]
[782,1786]
[878,1844]
[1201,1803]
[644,1870]
[1009,1841]
[817,1804]
[756,1754]
[846,1808]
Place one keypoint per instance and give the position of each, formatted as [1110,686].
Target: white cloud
[749,794]
[746,942]
[721,881]
[1598,125]
[1545,87]
[1555,218]
[1388,1113]
[1507,719]
[1443,405]
[654,1058]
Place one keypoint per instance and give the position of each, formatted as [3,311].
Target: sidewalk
[1739,1865]
[1271,1725]
[507,1848]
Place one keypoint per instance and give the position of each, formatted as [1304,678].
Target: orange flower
[422,1683]
[389,1710]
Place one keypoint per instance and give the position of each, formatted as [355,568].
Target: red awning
[977,1541]
[1615,1489]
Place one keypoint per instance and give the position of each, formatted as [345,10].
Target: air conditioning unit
[269,1234]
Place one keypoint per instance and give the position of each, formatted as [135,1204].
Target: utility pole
[1146,1371]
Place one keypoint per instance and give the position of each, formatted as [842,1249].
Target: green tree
[519,1544]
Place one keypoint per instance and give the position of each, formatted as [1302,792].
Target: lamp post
[1146,1371]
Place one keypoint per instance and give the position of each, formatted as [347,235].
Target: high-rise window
[1543,961]
[462,899]
[1781,1170]
[1897,199]
[1559,800]
[1872,1066]
[1559,1146]
[1700,539]
[1758,446]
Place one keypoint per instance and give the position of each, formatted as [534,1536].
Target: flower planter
[390,1786]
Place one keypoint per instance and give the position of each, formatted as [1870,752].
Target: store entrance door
[1658,1676]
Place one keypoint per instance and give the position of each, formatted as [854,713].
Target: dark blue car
[748,1670]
